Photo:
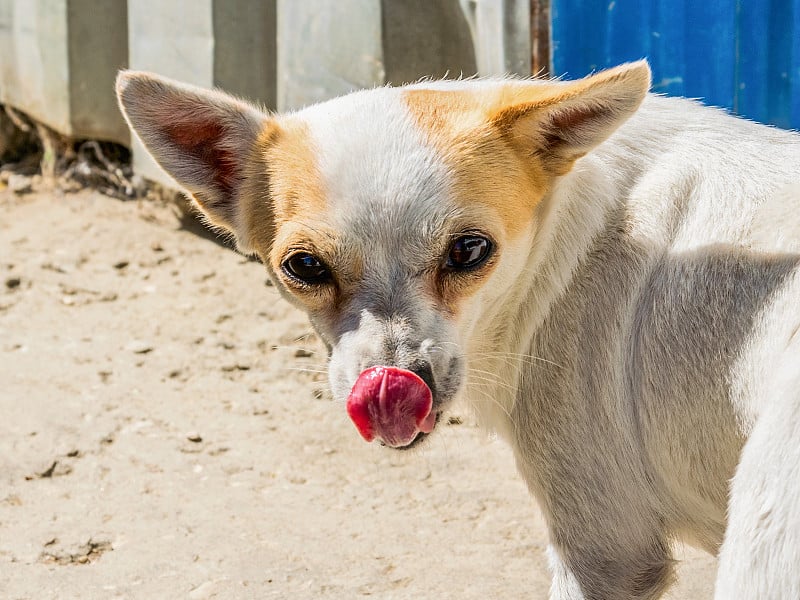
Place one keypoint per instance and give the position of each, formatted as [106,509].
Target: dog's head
[399,219]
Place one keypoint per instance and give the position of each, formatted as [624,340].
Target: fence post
[58,61]
[224,43]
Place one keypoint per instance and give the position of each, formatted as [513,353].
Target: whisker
[491,400]
[529,358]
[489,374]
[492,381]
[304,348]
[303,370]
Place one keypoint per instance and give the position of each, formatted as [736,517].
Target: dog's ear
[204,139]
[562,126]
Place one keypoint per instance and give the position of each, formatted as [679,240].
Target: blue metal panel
[739,54]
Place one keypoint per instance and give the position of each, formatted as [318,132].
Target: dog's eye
[306,268]
[468,251]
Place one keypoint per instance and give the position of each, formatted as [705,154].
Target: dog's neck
[582,205]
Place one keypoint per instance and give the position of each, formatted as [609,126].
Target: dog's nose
[422,369]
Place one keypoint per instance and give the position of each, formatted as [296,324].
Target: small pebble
[194,437]
[139,347]
[13,282]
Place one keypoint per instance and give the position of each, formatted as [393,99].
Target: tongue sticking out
[391,404]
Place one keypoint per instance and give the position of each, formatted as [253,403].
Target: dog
[609,277]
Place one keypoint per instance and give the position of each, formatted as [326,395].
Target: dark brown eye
[468,252]
[306,268]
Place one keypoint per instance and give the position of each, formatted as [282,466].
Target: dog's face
[399,219]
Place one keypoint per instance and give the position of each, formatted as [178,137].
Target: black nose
[422,369]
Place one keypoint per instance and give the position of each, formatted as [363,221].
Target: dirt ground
[166,431]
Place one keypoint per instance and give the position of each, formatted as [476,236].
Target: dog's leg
[760,557]
[610,574]
[606,542]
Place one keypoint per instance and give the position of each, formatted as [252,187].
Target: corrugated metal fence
[743,55]
[58,58]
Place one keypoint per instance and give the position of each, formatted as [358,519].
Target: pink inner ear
[203,140]
[572,117]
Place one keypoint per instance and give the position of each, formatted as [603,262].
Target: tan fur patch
[459,111]
[256,205]
[488,173]
[291,201]
[295,182]
[495,183]
[289,187]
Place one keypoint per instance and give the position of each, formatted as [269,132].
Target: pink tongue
[391,404]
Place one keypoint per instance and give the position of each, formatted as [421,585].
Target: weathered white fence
[58,58]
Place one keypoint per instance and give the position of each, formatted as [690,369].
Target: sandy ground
[166,431]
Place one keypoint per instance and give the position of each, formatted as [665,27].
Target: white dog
[610,278]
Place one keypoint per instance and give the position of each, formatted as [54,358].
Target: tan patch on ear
[631,79]
[507,141]
[574,117]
